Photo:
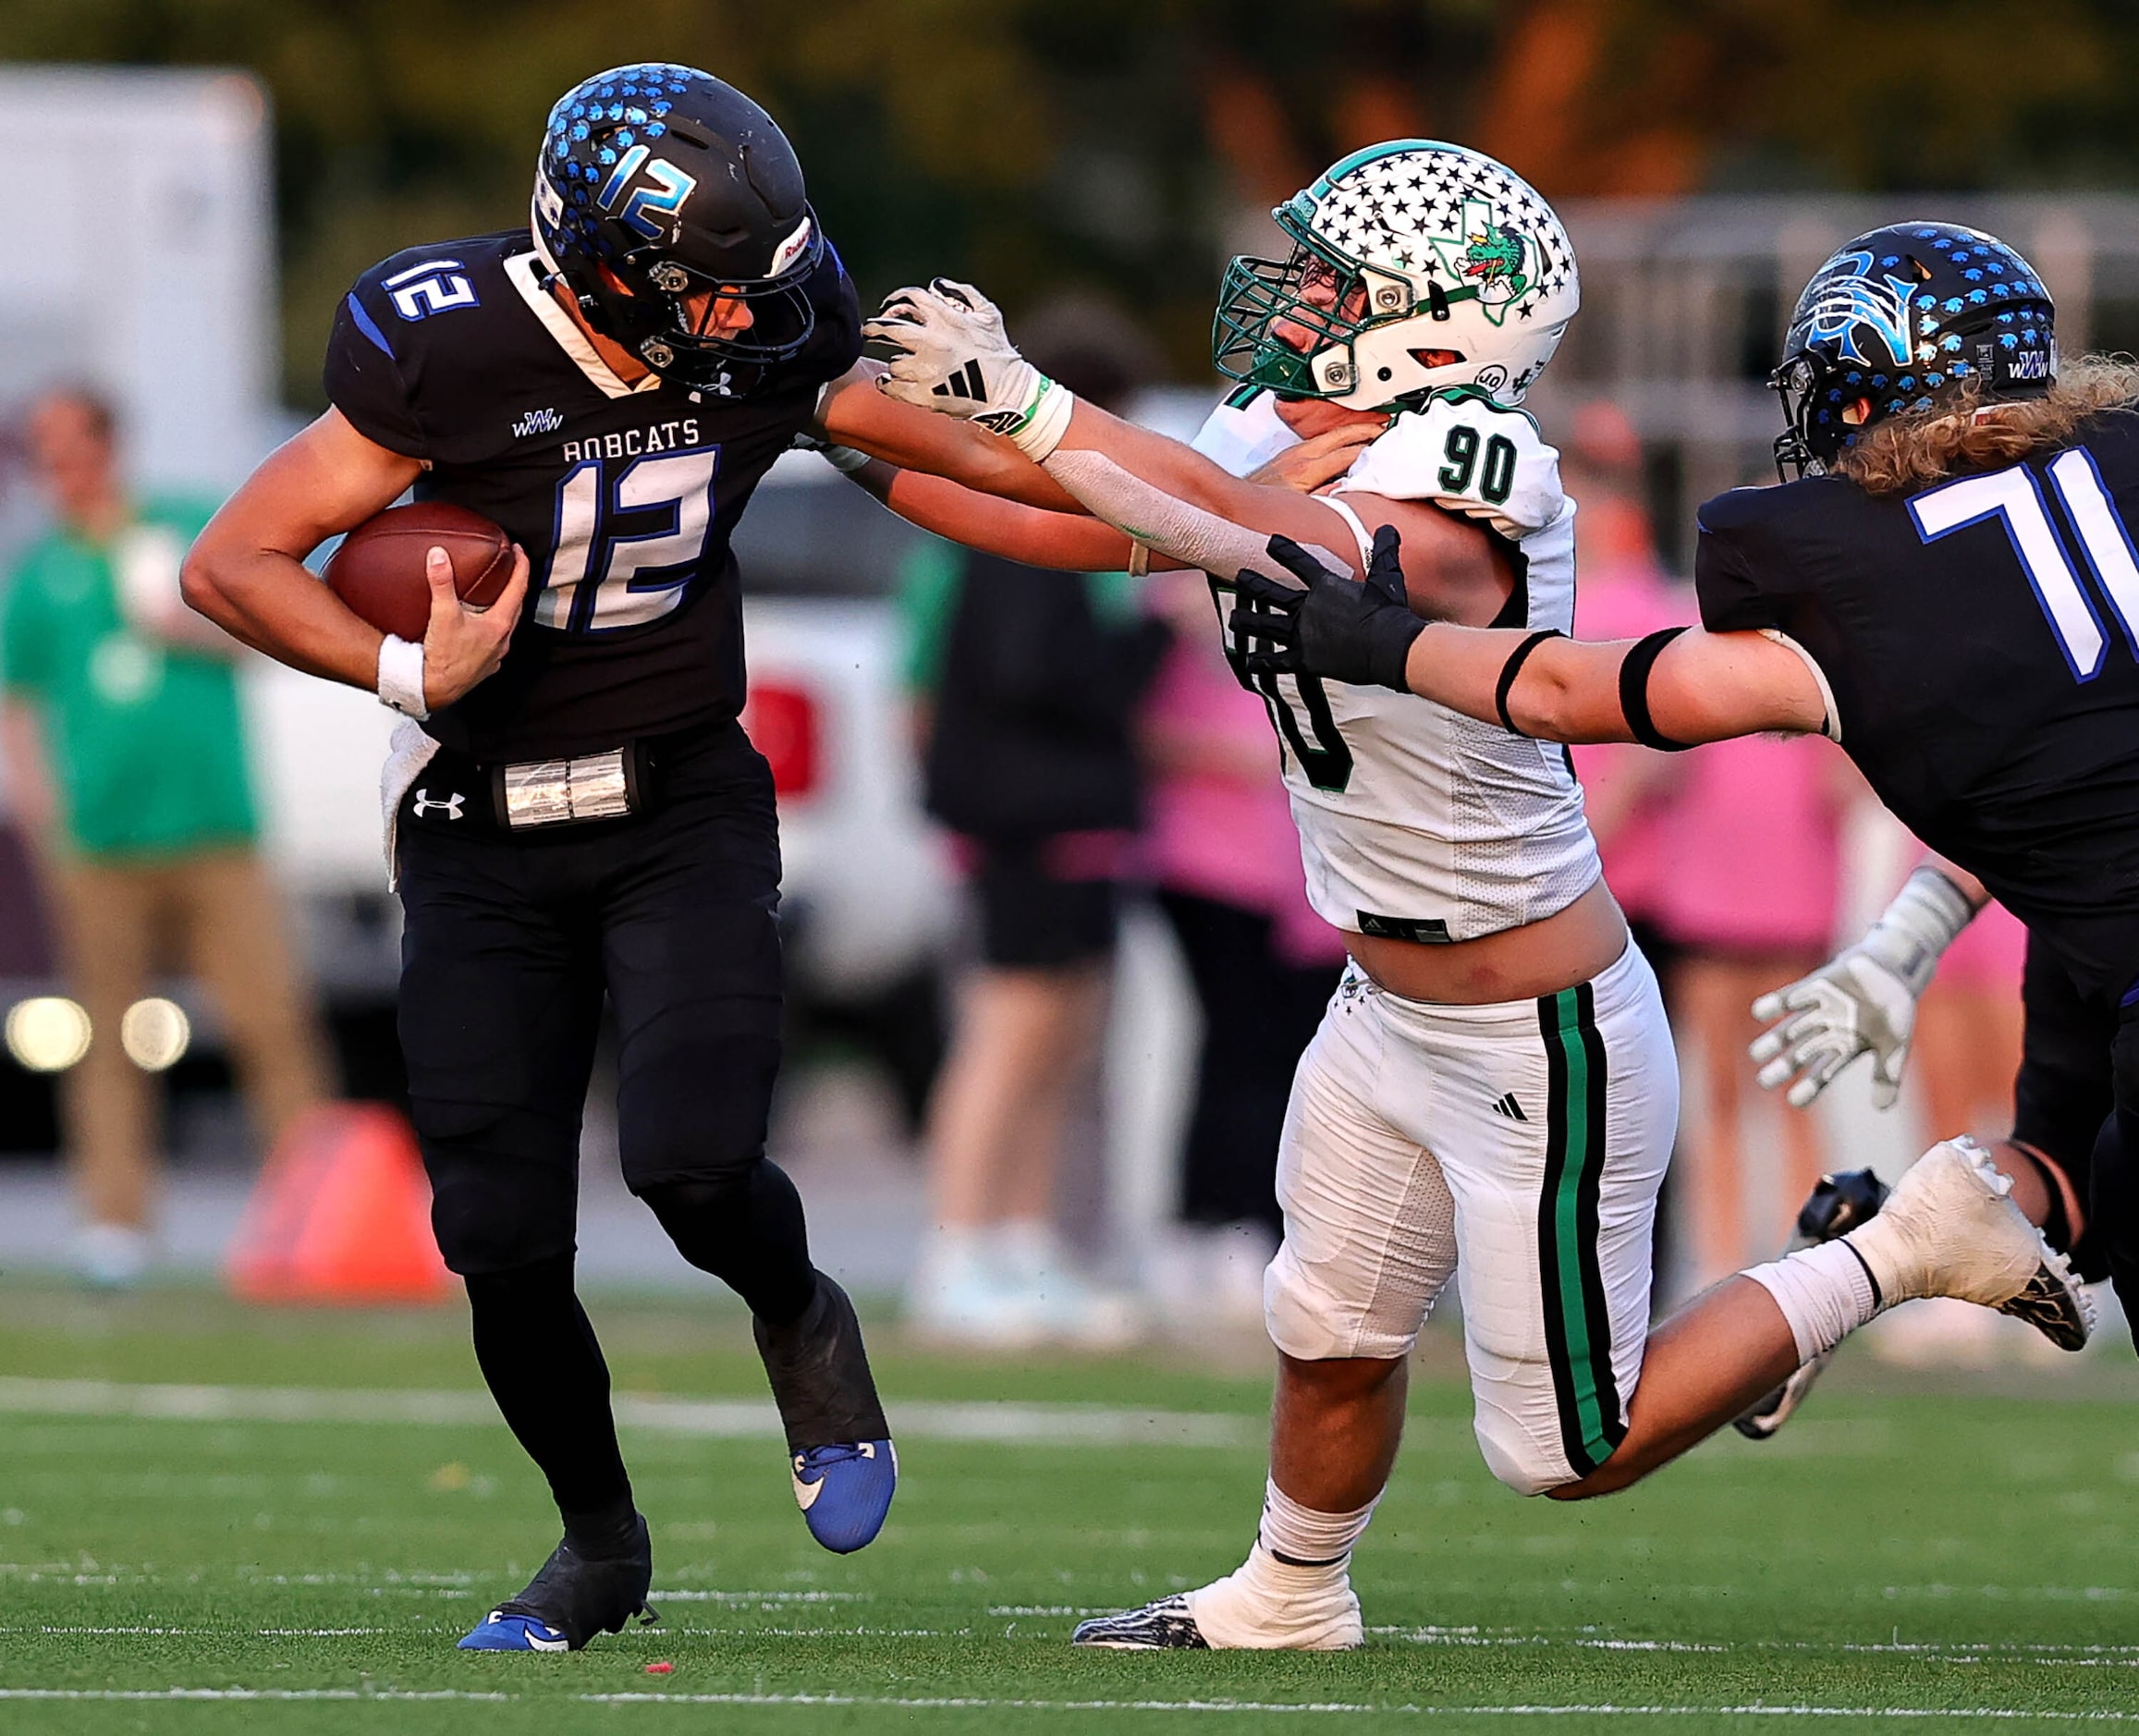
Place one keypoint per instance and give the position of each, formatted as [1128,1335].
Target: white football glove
[956,359]
[1864,999]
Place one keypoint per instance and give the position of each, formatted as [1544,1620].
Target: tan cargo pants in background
[215,916]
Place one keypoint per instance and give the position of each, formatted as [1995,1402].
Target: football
[378,570]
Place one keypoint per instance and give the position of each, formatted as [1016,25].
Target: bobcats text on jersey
[624,496]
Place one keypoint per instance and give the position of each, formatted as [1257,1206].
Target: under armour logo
[965,383]
[1508,1106]
[450,807]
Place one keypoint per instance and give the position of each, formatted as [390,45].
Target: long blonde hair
[1922,446]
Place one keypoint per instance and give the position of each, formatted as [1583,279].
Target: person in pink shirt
[1966,1049]
[1220,849]
[1751,847]
[1622,592]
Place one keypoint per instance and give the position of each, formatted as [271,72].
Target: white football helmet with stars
[1417,267]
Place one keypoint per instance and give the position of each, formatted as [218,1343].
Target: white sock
[1299,1536]
[1826,1293]
[1264,1603]
[951,1254]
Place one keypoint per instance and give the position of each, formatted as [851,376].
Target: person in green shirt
[126,771]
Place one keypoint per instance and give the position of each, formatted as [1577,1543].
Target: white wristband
[844,459]
[401,677]
[1046,420]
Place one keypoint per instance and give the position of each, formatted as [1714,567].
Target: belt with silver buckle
[456,793]
[534,794]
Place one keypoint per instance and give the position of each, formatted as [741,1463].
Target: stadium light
[47,1033]
[155,1033]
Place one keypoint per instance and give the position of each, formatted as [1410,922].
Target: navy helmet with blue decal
[1898,317]
[665,199]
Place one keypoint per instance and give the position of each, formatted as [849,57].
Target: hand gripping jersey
[1416,822]
[623,497]
[1977,638]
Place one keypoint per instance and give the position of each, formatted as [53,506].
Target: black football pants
[2077,1101]
[510,944]
[1260,1012]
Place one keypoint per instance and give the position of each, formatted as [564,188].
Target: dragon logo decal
[1494,262]
[1487,257]
[1847,307]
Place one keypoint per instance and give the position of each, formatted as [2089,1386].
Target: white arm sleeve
[1173,527]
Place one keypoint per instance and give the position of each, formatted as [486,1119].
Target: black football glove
[1335,629]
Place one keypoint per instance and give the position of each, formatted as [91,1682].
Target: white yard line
[980,1703]
[718,1419]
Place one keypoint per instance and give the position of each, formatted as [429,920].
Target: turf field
[221,1522]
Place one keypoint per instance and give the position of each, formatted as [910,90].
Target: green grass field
[1951,1556]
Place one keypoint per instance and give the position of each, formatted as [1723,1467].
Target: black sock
[748,1233]
[538,1352]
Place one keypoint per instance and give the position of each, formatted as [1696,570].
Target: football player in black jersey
[1935,591]
[579,811]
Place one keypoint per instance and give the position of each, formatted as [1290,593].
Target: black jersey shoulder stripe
[1577,1317]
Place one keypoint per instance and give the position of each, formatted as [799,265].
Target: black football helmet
[657,183]
[1898,315]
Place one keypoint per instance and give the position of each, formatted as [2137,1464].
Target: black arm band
[1512,669]
[1634,691]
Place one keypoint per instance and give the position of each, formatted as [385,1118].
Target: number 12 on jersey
[2015,499]
[628,542]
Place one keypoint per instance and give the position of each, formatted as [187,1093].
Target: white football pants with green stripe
[1517,1148]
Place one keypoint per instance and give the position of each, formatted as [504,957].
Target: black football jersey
[1979,639]
[624,497]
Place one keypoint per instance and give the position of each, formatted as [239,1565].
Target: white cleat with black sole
[1269,1606]
[1951,1228]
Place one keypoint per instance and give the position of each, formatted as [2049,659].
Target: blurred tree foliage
[1029,144]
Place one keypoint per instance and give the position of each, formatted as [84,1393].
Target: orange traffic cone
[341,1214]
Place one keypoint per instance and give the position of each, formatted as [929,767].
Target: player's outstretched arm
[857,415]
[1068,542]
[1071,542]
[246,571]
[1668,690]
[955,359]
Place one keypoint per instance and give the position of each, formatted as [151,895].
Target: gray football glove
[1863,1001]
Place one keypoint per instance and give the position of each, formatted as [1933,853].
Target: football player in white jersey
[1493,1093]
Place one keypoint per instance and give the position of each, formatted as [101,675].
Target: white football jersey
[1415,821]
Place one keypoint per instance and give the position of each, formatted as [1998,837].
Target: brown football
[378,570]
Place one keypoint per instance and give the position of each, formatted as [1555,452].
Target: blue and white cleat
[574,1597]
[504,1631]
[845,1491]
[839,1444]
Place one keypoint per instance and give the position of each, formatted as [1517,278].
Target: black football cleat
[839,1449]
[1163,1626]
[1838,1203]
[570,1600]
